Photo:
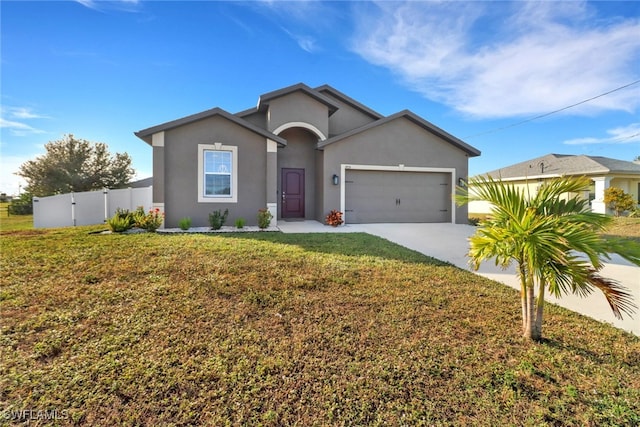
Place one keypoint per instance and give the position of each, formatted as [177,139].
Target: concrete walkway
[449,242]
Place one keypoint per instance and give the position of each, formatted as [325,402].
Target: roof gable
[430,127]
[266,98]
[349,101]
[146,134]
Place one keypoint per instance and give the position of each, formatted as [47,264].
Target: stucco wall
[257,118]
[298,107]
[346,118]
[158,174]
[181,171]
[398,142]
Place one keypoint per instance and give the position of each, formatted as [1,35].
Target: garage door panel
[390,196]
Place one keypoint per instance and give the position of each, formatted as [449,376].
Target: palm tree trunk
[537,331]
[531,312]
[527,293]
[523,297]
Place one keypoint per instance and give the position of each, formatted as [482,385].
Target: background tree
[72,164]
[555,240]
[619,201]
[22,205]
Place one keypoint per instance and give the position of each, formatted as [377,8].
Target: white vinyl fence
[87,208]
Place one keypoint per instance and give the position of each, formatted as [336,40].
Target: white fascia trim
[289,125]
[399,168]
[234,173]
[157,139]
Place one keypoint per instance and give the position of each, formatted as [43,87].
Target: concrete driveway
[449,242]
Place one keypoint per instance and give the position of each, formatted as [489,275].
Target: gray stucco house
[302,152]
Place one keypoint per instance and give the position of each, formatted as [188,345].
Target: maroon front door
[292,196]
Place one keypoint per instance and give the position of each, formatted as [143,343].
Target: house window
[217,173]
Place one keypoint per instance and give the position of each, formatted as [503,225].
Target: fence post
[73,209]
[105,191]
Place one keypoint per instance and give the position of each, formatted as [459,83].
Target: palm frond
[619,299]
[626,248]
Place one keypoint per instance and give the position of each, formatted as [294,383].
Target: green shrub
[217,219]
[118,223]
[22,205]
[264,218]
[150,221]
[240,222]
[618,201]
[125,214]
[184,223]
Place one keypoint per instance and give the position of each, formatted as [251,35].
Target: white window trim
[218,146]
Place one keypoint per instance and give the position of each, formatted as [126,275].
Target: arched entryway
[299,173]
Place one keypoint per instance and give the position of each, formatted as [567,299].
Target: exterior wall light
[335,179]
[462,182]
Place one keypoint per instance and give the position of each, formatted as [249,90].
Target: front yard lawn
[278,329]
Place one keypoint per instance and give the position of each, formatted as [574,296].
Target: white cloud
[621,135]
[306,43]
[15,124]
[127,5]
[19,129]
[87,3]
[307,21]
[23,113]
[523,58]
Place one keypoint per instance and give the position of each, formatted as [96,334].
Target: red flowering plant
[334,218]
[150,221]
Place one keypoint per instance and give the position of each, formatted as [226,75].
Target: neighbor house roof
[564,164]
[141,183]
[413,118]
[146,134]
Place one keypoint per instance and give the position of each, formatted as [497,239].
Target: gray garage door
[389,196]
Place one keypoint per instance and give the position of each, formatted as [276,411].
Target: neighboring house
[141,183]
[302,152]
[603,171]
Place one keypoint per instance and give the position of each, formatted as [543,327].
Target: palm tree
[555,241]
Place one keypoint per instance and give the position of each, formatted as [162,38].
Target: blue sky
[102,70]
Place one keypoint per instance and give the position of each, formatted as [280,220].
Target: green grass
[13,222]
[275,329]
[625,227]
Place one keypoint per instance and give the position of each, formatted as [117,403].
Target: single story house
[302,152]
[603,171]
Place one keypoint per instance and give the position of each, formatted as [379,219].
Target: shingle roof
[415,119]
[348,100]
[317,94]
[267,97]
[146,134]
[564,164]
